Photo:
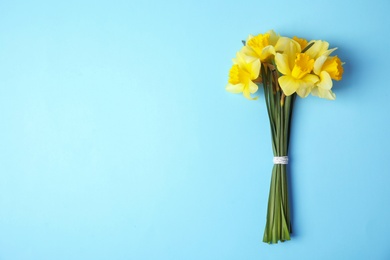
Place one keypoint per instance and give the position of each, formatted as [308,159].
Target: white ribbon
[281,160]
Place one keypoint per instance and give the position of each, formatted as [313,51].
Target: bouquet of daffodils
[285,67]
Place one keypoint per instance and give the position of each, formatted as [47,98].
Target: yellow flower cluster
[304,67]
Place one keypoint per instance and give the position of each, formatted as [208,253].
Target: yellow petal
[323,93]
[253,87]
[237,88]
[250,65]
[306,84]
[303,91]
[328,52]
[325,81]
[282,64]
[291,51]
[288,84]
[324,47]
[246,58]
[273,37]
[255,69]
[267,52]
[240,58]
[248,51]
[317,49]
[311,79]
[318,64]
[286,44]
[247,94]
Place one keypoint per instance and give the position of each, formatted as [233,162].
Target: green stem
[278,226]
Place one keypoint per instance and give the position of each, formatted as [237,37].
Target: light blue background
[118,140]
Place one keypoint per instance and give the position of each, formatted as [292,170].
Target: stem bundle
[279,107]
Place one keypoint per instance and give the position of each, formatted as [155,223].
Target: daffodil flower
[332,65]
[296,68]
[244,70]
[261,46]
[327,68]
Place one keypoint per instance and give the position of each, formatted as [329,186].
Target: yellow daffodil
[327,68]
[296,68]
[332,65]
[244,70]
[261,46]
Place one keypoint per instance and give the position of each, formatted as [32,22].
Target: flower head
[327,68]
[261,46]
[296,68]
[241,75]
